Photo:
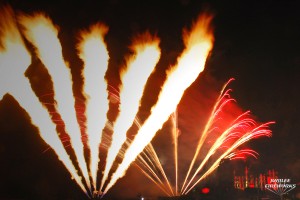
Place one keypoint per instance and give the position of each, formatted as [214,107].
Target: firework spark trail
[93,52]
[134,78]
[150,171]
[152,154]
[149,153]
[258,131]
[198,45]
[147,162]
[13,81]
[242,154]
[147,159]
[154,181]
[175,140]
[220,103]
[40,31]
[232,132]
[144,163]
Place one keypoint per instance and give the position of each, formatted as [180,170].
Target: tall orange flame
[134,79]
[14,82]
[198,44]
[93,52]
[41,32]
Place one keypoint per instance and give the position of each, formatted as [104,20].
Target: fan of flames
[40,32]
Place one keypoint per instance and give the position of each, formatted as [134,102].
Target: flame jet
[14,60]
[147,161]
[93,52]
[198,44]
[40,31]
[140,66]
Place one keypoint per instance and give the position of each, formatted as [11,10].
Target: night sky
[256,42]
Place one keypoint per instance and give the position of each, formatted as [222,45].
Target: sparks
[240,126]
[258,131]
[242,129]
[208,126]
[242,154]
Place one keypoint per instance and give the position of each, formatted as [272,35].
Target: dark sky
[256,42]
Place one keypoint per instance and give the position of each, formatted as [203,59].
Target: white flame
[198,44]
[15,59]
[133,79]
[41,32]
[93,52]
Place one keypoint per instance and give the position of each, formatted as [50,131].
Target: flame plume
[41,32]
[93,52]
[14,82]
[198,45]
[134,78]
